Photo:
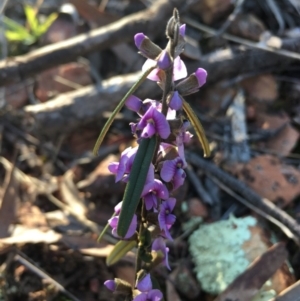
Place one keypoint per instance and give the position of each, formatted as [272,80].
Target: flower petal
[201,75]
[176,101]
[145,284]
[110,284]
[168,170]
[179,178]
[141,297]
[155,295]
[133,103]
[180,70]
[161,125]
[132,227]
[148,131]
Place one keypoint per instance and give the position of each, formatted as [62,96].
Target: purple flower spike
[133,103]
[138,39]
[201,75]
[113,222]
[182,30]
[145,284]
[164,61]
[160,245]
[175,101]
[110,284]
[154,122]
[165,218]
[152,191]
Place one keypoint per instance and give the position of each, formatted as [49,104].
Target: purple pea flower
[165,218]
[179,70]
[125,163]
[148,294]
[183,137]
[159,245]
[153,295]
[113,222]
[111,285]
[154,122]
[172,171]
[152,191]
[175,102]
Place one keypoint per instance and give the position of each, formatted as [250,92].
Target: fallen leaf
[9,201]
[71,195]
[62,79]
[31,216]
[261,87]
[285,139]
[182,280]
[211,10]
[23,235]
[248,284]
[101,181]
[270,178]
[247,26]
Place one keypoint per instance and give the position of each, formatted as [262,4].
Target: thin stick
[252,197]
[43,275]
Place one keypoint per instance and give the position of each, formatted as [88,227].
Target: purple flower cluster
[166,173]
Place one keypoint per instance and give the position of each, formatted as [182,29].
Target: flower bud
[146,46]
[174,101]
[182,30]
[192,83]
[119,286]
[164,61]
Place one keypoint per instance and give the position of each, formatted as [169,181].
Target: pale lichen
[218,254]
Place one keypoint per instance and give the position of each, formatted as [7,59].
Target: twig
[24,66]
[232,17]
[32,267]
[71,110]
[228,190]
[251,196]
[291,293]
[202,193]
[229,37]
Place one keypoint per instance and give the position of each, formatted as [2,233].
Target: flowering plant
[154,169]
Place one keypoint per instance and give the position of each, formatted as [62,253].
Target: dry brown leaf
[283,141]
[23,235]
[292,293]
[211,10]
[171,292]
[16,95]
[182,280]
[9,200]
[262,87]
[126,273]
[102,177]
[247,26]
[62,79]
[270,178]
[31,216]
[92,15]
[71,195]
[248,284]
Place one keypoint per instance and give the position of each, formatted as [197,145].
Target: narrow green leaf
[14,26]
[120,250]
[118,109]
[104,230]
[42,28]
[31,17]
[136,182]
[198,128]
